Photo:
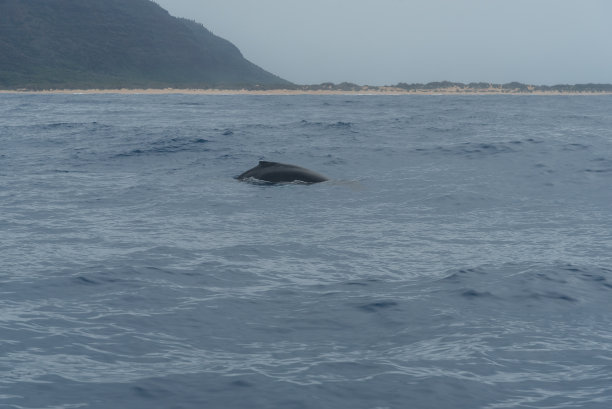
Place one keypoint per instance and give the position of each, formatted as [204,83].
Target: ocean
[460,256]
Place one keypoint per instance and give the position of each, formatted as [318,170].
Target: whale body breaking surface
[274,172]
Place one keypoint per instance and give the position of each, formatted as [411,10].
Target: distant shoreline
[368,91]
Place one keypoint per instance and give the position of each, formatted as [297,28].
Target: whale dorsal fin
[265,163]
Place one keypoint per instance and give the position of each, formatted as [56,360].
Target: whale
[274,172]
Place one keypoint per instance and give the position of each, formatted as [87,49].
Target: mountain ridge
[115,44]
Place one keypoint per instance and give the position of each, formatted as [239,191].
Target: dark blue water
[460,257]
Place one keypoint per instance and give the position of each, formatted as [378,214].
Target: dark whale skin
[274,172]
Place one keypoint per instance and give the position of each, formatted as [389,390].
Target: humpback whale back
[275,172]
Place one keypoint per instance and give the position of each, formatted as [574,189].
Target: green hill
[115,44]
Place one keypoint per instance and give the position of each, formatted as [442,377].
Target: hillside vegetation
[55,44]
[459,87]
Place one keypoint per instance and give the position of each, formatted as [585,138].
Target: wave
[327,125]
[603,165]
[478,149]
[537,283]
[167,145]
[85,126]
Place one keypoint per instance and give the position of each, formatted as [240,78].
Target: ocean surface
[459,257]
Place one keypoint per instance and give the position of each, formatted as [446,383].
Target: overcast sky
[380,42]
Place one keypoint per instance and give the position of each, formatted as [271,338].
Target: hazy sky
[380,42]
